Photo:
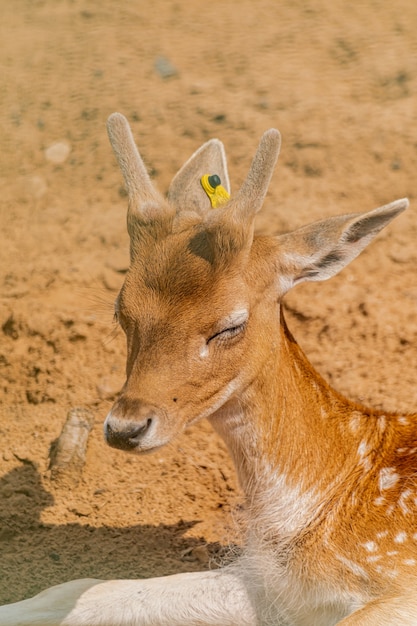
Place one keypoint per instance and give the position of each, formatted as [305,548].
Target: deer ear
[141,192]
[320,250]
[185,191]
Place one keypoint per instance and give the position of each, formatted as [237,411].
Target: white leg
[217,598]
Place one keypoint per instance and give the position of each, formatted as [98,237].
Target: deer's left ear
[320,250]
[186,191]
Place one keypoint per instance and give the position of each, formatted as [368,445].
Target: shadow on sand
[34,555]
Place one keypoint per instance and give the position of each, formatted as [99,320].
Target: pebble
[201,554]
[164,67]
[82,510]
[58,152]
[198,553]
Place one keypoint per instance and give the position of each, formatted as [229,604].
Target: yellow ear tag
[213,188]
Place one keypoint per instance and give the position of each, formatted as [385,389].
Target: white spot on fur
[381,424]
[382,534]
[367,464]
[352,566]
[374,558]
[204,350]
[379,501]
[402,500]
[285,283]
[401,537]
[403,420]
[370,546]
[363,451]
[392,552]
[355,422]
[388,477]
[291,509]
[409,561]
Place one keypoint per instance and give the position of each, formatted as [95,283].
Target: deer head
[200,301]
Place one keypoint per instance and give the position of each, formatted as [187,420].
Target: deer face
[199,305]
[191,322]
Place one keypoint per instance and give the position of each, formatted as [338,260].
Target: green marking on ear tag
[217,194]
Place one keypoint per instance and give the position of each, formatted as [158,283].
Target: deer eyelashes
[231,327]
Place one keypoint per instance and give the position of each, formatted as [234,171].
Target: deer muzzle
[132,425]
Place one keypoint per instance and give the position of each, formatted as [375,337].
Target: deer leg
[194,599]
[395,611]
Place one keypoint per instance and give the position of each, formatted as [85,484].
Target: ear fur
[320,250]
[185,191]
[138,183]
[249,199]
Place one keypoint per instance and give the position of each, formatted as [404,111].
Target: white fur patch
[352,566]
[388,478]
[402,501]
[204,350]
[363,450]
[370,546]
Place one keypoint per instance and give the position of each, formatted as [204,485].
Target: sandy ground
[340,82]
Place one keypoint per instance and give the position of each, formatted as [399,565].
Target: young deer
[331,486]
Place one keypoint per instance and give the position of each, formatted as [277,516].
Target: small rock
[82,510]
[400,255]
[10,327]
[21,455]
[58,152]
[198,553]
[201,554]
[164,67]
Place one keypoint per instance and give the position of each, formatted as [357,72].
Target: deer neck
[288,427]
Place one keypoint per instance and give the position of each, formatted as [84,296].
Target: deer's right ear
[185,191]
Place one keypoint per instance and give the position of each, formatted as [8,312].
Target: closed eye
[228,333]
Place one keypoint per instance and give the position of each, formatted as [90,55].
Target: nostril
[128,436]
[136,433]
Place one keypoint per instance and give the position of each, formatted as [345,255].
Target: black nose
[126,437]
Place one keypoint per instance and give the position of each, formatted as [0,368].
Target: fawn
[330,486]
